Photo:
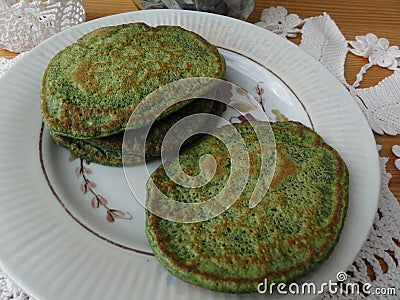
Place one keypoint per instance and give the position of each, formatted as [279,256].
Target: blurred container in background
[240,9]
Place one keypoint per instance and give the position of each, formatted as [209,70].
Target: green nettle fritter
[91,88]
[287,235]
[108,150]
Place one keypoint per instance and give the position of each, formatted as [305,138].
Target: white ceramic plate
[55,245]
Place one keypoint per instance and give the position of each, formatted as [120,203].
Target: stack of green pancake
[108,150]
[287,235]
[91,88]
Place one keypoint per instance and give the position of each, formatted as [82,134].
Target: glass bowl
[240,9]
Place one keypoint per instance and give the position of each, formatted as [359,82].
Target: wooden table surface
[352,17]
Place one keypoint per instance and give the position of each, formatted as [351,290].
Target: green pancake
[82,149]
[287,235]
[91,88]
[108,150]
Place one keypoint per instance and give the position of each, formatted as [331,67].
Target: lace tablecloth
[378,261]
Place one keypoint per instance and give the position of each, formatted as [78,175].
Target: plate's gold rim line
[53,191]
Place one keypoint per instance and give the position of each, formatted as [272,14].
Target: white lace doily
[25,23]
[380,255]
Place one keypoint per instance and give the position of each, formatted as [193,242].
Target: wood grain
[352,17]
